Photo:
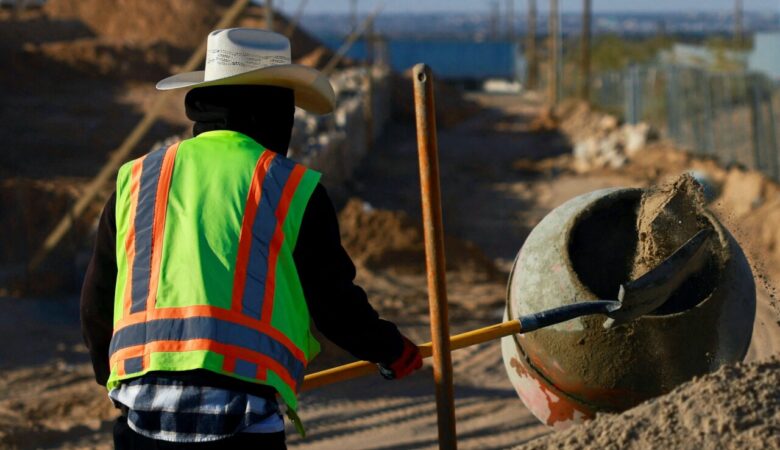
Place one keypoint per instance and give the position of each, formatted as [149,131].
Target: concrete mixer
[581,251]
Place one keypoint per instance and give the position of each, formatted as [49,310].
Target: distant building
[765,57]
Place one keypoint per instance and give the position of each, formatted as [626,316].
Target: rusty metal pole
[425,113]
[531,54]
[269,15]
[552,89]
[585,55]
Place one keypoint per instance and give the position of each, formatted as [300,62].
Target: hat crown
[237,50]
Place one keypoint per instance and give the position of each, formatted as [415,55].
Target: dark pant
[127,439]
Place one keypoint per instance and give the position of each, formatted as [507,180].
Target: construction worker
[214,255]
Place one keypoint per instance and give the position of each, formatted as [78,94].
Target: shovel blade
[653,289]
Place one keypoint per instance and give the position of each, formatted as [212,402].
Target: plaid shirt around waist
[170,410]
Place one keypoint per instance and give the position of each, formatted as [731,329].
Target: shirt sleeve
[339,308]
[97,293]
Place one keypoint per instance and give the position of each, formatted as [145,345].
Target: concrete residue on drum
[669,215]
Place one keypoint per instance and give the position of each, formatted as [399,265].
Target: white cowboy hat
[255,56]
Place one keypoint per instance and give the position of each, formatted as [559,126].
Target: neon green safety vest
[206,279]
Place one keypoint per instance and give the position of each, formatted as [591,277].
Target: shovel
[635,299]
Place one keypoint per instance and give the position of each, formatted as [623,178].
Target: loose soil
[735,408]
[382,240]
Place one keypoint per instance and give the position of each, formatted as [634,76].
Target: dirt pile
[669,215]
[737,407]
[32,208]
[391,241]
[181,23]
[99,58]
[68,406]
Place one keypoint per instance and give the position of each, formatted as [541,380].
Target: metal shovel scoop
[635,299]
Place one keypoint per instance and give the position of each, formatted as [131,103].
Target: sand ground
[492,196]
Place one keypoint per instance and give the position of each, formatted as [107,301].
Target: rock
[635,137]
[608,123]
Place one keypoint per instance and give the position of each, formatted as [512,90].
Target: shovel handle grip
[363,368]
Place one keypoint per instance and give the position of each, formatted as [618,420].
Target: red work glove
[409,361]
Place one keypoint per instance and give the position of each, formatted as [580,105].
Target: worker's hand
[409,361]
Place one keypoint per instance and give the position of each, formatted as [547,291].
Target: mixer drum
[583,250]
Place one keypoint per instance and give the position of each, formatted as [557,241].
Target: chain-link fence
[733,117]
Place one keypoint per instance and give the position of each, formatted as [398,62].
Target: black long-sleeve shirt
[338,307]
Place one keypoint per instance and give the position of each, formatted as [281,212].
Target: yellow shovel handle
[362,368]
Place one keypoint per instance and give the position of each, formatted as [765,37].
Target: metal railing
[731,116]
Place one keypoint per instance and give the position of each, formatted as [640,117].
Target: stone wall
[335,144]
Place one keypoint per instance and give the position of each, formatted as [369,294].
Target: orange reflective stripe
[245,239]
[135,182]
[218,313]
[205,344]
[278,240]
[158,227]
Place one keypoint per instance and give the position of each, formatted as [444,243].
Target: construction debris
[599,139]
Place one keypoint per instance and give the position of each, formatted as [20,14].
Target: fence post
[708,114]
[672,116]
[773,144]
[755,122]
[632,95]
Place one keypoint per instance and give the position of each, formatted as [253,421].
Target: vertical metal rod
[531,55]
[773,141]
[632,95]
[510,21]
[756,125]
[369,100]
[738,22]
[425,112]
[585,55]
[353,7]
[269,15]
[553,92]
[709,113]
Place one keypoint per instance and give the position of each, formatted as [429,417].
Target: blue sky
[319,6]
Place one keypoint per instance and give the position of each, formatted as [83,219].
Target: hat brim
[313,91]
